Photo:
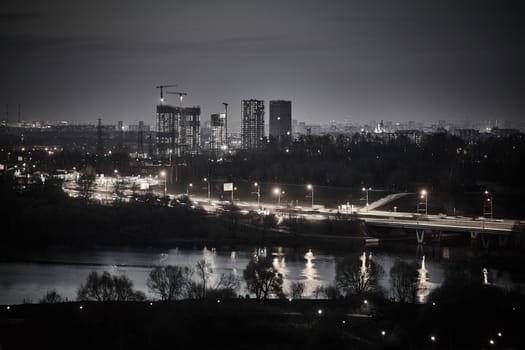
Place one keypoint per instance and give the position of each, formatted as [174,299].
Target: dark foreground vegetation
[40,215]
[467,320]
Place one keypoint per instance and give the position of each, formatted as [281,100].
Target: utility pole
[100,147]
[226,123]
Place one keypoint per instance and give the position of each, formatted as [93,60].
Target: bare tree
[357,277]
[106,287]
[262,278]
[319,290]
[51,297]
[297,290]
[404,281]
[204,271]
[169,282]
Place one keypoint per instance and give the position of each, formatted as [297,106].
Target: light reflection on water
[65,271]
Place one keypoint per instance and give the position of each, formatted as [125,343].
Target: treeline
[442,161]
[42,215]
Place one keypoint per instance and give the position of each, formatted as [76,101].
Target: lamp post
[208,186]
[190,185]
[364,189]
[311,188]
[424,195]
[487,204]
[163,175]
[258,194]
[278,192]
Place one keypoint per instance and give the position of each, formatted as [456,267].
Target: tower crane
[181,95]
[161,87]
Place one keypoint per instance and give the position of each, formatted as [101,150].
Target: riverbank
[470,320]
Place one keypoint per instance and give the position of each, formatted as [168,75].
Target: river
[28,277]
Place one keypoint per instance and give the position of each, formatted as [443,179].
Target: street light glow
[276,190]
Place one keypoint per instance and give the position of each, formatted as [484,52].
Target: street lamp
[487,205]
[311,188]
[364,189]
[278,192]
[208,183]
[423,195]
[190,185]
[163,175]
[258,194]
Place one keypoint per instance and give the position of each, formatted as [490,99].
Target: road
[371,217]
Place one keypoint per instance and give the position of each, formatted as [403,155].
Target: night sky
[359,60]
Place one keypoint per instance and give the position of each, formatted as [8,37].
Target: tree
[357,277]
[204,271]
[262,278]
[106,287]
[297,290]
[51,297]
[226,284]
[404,281]
[169,282]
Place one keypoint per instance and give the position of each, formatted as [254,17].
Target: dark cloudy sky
[364,60]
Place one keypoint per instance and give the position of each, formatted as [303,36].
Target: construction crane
[181,95]
[161,87]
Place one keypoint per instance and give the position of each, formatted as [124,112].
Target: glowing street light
[208,185]
[487,204]
[190,185]
[432,338]
[258,194]
[311,188]
[364,189]
[163,175]
[277,191]
[423,195]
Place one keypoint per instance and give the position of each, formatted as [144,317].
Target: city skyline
[335,61]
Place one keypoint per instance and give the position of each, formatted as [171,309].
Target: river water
[29,278]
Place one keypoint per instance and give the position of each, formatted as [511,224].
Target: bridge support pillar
[473,235]
[503,240]
[420,236]
[485,240]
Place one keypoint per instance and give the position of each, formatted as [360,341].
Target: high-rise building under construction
[178,131]
[252,124]
[281,120]
[218,133]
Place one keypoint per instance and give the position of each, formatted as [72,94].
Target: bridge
[484,227]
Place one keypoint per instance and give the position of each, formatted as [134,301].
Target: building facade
[218,141]
[178,131]
[252,124]
[281,120]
